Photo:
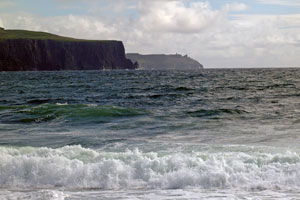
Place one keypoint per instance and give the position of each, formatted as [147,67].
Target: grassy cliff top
[24,34]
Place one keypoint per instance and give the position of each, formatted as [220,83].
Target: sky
[219,34]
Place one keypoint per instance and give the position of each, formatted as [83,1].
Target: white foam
[33,194]
[78,167]
[62,104]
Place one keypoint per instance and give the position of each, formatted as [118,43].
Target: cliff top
[24,34]
[160,55]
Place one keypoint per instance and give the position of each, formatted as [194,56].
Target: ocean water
[209,134]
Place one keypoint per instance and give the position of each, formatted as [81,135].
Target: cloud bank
[221,37]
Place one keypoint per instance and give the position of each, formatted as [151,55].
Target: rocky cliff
[27,50]
[164,62]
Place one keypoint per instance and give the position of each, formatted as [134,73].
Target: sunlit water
[210,134]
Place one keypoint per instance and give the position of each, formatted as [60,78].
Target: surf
[76,167]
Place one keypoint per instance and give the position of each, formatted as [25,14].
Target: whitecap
[83,168]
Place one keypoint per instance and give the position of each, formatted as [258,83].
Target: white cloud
[236,7]
[175,16]
[71,25]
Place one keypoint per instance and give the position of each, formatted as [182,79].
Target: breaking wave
[81,168]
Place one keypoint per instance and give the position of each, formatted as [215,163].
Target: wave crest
[48,112]
[78,167]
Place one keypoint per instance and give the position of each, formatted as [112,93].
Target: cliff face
[61,54]
[164,62]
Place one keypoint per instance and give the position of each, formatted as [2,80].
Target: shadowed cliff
[28,50]
[164,62]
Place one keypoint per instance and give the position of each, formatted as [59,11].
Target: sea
[162,135]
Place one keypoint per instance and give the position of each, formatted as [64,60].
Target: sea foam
[75,167]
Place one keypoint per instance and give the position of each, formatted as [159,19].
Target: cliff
[164,62]
[28,50]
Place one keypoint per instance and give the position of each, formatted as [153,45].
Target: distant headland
[164,62]
[22,50]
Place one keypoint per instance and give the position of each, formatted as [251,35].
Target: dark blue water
[210,130]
